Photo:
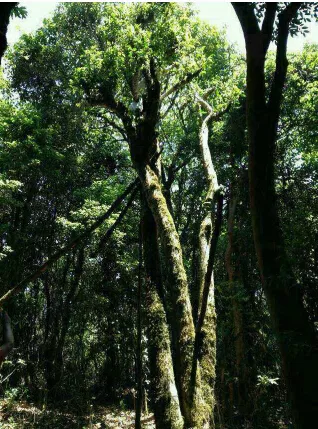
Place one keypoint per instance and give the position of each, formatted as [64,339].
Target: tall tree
[130,85]
[295,334]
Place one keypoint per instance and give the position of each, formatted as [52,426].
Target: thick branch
[209,170]
[107,101]
[268,24]
[247,18]
[285,18]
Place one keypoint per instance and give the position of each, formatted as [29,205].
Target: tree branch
[181,84]
[268,24]
[116,127]
[71,245]
[120,218]
[276,92]
[216,116]
[107,101]
[247,18]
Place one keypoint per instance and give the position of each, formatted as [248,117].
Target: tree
[296,335]
[131,84]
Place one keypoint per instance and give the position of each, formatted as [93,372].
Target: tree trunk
[182,327]
[204,309]
[139,369]
[236,284]
[296,336]
[164,395]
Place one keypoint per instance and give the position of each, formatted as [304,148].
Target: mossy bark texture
[182,327]
[164,395]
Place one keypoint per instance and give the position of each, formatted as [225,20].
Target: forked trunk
[182,327]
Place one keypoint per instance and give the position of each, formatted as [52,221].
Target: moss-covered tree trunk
[204,311]
[164,395]
[141,132]
[182,327]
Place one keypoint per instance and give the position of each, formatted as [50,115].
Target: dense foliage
[77,107]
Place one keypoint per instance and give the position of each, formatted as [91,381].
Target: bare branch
[214,117]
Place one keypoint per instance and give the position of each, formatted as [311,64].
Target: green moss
[196,410]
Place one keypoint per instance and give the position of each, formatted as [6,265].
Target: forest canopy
[158,191]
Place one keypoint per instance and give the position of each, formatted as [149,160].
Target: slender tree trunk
[235,280]
[67,313]
[139,370]
[204,309]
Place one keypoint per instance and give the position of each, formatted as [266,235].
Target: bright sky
[220,14]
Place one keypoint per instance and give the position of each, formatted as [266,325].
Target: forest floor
[22,415]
